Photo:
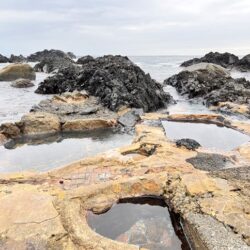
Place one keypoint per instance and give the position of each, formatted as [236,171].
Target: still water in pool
[145,222]
[58,150]
[208,135]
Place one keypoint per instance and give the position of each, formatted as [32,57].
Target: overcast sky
[131,27]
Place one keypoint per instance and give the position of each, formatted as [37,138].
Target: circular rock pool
[145,222]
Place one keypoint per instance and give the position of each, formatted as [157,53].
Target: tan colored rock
[3,139]
[87,124]
[40,123]
[28,218]
[242,109]
[210,67]
[10,130]
[13,72]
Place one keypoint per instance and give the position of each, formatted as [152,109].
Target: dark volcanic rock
[223,59]
[71,55]
[210,162]
[244,63]
[41,55]
[114,79]
[212,85]
[17,59]
[3,59]
[49,65]
[188,143]
[85,59]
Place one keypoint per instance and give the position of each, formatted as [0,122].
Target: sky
[127,27]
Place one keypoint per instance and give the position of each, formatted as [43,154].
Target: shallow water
[145,222]
[15,102]
[208,135]
[58,150]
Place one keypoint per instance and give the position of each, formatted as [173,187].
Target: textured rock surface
[211,85]
[40,123]
[3,59]
[17,59]
[223,59]
[53,53]
[15,71]
[22,83]
[244,63]
[114,79]
[210,162]
[48,210]
[53,64]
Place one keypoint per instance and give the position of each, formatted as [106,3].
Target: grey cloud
[130,27]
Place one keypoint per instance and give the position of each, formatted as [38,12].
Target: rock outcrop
[225,60]
[243,64]
[214,203]
[22,83]
[41,55]
[53,64]
[17,59]
[4,59]
[212,85]
[40,123]
[16,71]
[114,79]
[85,59]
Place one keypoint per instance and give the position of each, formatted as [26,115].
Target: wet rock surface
[223,59]
[16,71]
[188,144]
[115,80]
[210,162]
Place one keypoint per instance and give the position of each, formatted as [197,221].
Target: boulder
[244,63]
[114,79]
[22,83]
[85,59]
[71,55]
[17,59]
[41,55]
[189,144]
[3,59]
[16,71]
[130,118]
[53,64]
[10,130]
[212,84]
[40,123]
[225,60]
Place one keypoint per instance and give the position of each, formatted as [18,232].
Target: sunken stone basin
[208,135]
[144,221]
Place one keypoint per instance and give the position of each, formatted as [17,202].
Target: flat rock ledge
[48,210]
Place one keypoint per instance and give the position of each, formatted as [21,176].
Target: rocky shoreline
[209,191]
